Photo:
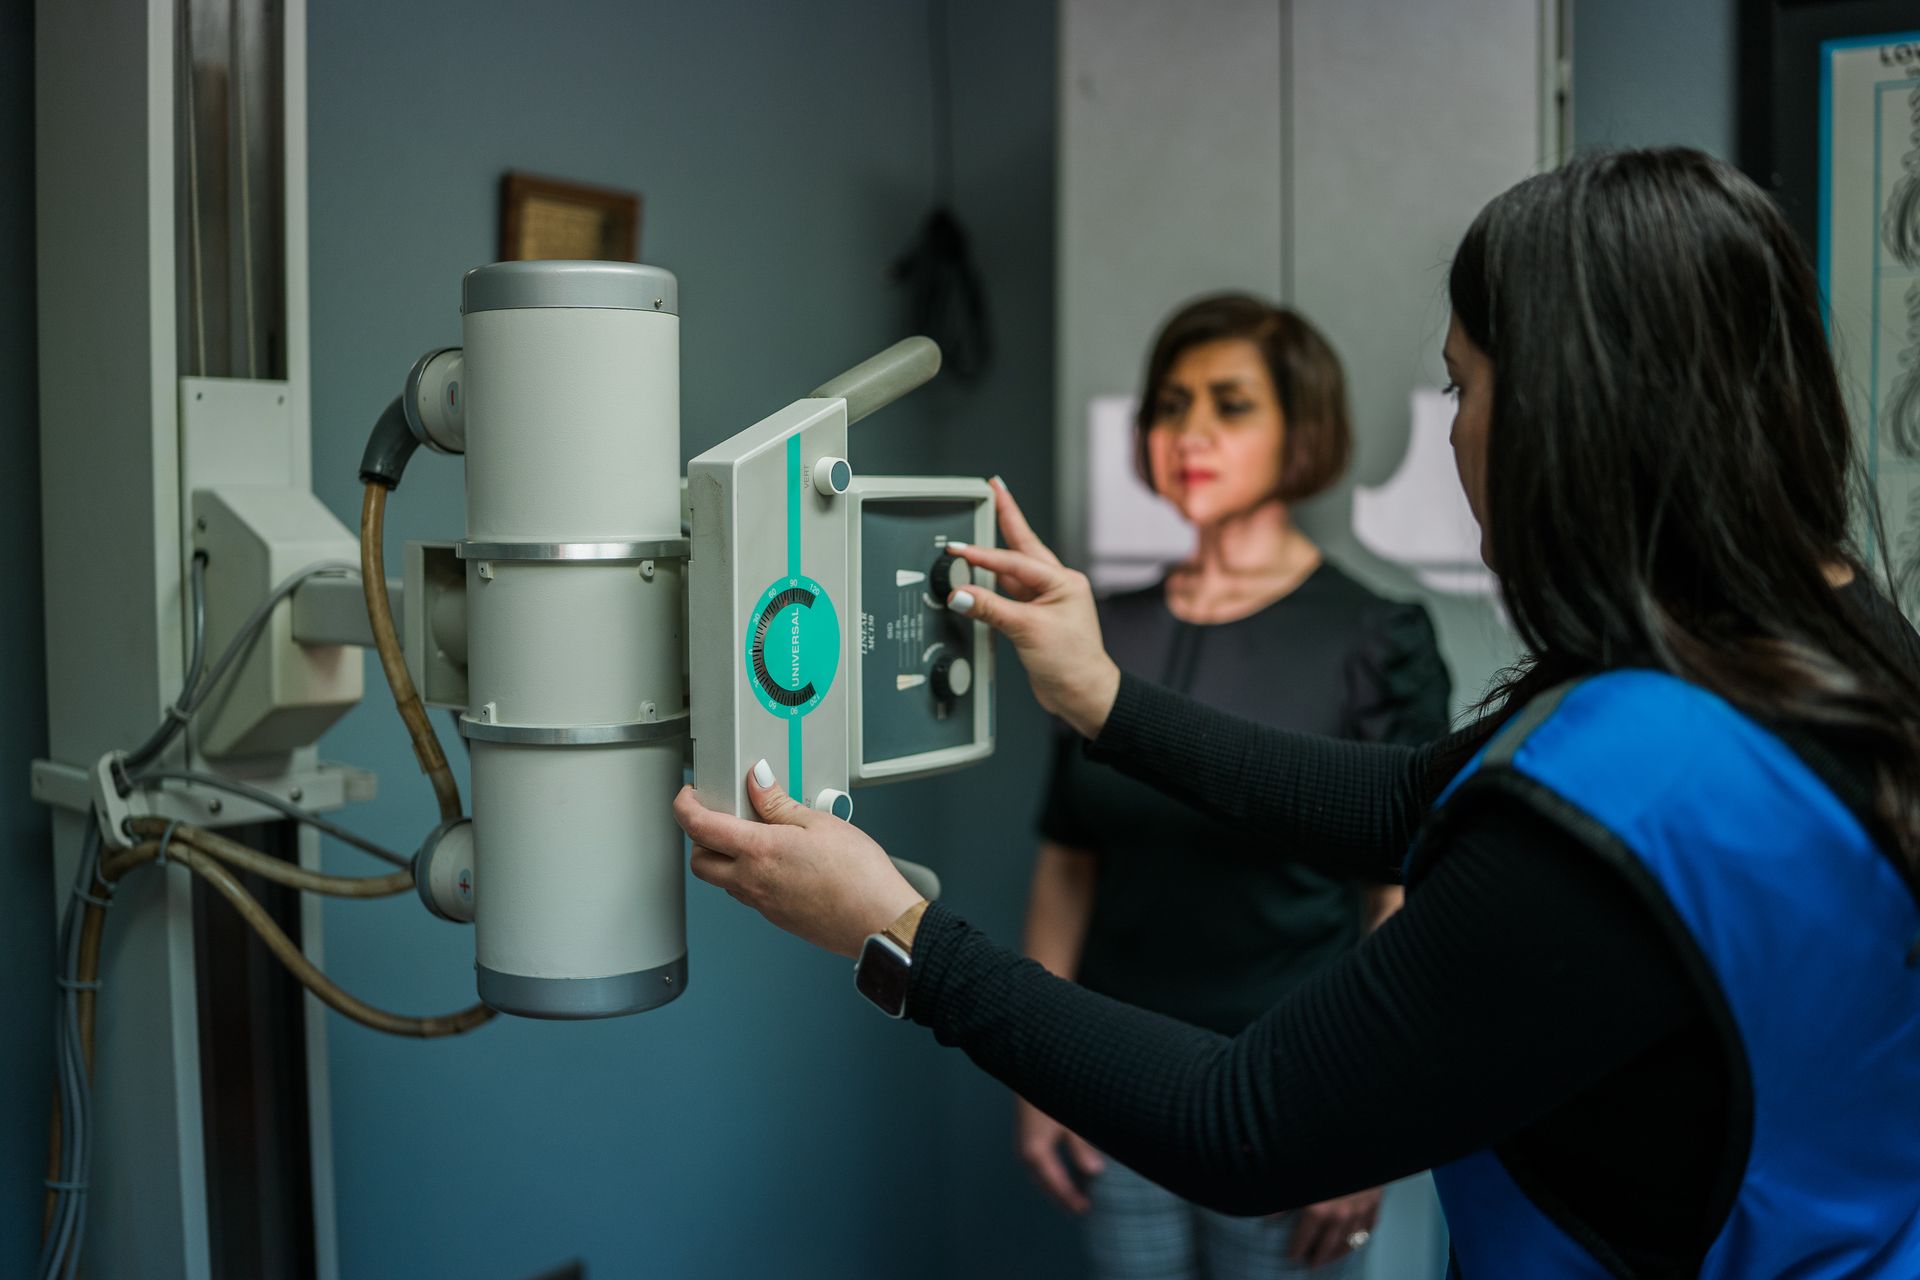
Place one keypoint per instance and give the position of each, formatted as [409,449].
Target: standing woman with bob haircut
[1243,412]
[1653,1005]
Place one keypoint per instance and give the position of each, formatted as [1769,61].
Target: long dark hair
[1669,463]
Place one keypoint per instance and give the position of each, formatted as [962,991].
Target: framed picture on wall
[549,218]
[1830,123]
[1781,70]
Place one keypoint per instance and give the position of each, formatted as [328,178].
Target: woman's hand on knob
[1047,611]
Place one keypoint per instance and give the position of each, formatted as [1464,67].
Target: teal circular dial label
[793,646]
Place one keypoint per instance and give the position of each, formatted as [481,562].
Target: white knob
[951,678]
[831,476]
[837,803]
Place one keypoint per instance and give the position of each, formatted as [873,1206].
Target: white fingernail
[955,546]
[962,602]
[997,480]
[763,774]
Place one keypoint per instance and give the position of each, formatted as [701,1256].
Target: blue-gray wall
[1649,72]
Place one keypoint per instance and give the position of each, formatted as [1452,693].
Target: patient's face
[1471,374]
[1217,432]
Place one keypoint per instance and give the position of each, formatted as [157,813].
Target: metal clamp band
[576,735]
[648,549]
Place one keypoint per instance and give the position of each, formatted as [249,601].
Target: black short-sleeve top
[1191,918]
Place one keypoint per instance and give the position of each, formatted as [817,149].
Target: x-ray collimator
[819,639]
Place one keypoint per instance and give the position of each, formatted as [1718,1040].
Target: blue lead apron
[1798,930]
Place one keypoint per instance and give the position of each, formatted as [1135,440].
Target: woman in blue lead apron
[1652,1007]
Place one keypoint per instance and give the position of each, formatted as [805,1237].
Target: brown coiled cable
[206,863]
[386,642]
[203,852]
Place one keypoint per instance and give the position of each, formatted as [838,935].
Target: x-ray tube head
[575,579]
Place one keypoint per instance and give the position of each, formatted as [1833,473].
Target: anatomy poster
[1870,267]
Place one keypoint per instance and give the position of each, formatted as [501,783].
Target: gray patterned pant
[1137,1230]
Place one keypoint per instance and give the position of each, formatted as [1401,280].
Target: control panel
[818,634]
[923,692]
[766,603]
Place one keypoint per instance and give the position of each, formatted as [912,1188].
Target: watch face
[881,975]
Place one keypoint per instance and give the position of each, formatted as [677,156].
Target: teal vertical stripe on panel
[796,746]
[795,758]
[793,506]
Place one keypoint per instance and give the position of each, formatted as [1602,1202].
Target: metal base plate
[572,999]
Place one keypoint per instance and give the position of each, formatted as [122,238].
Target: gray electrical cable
[79,1071]
[168,728]
[79,1087]
[53,1243]
[197,656]
[66,1228]
[282,806]
[201,684]
[250,629]
[66,1232]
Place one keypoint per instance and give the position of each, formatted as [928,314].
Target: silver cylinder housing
[575,591]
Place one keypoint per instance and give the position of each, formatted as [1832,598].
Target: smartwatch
[885,966]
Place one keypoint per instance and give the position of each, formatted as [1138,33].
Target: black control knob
[951,677]
[949,574]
